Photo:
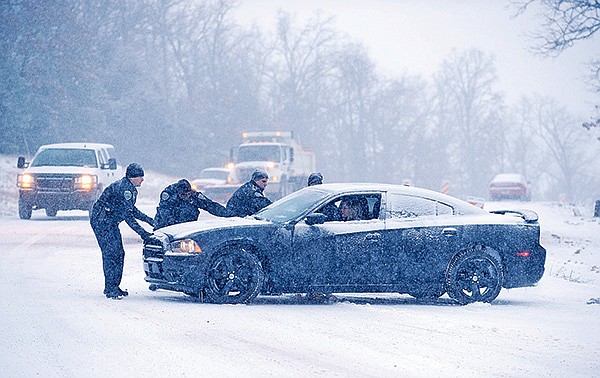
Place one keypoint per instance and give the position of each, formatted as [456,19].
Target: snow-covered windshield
[255,152]
[66,157]
[292,206]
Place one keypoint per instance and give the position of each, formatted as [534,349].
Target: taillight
[523,254]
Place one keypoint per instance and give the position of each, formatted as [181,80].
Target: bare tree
[467,117]
[566,22]
[565,160]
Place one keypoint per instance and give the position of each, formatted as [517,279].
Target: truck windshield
[259,153]
[214,174]
[65,157]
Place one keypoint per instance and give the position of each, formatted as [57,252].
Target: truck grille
[244,174]
[55,183]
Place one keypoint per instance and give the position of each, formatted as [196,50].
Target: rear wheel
[25,209]
[235,276]
[51,212]
[475,275]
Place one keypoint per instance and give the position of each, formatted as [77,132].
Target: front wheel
[25,209]
[475,275]
[51,212]
[235,276]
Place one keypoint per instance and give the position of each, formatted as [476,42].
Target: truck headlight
[185,246]
[86,182]
[25,181]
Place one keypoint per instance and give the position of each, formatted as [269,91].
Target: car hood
[183,230]
[61,170]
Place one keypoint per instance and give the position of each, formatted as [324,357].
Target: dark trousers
[113,255]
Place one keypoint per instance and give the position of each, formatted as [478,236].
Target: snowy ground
[56,322]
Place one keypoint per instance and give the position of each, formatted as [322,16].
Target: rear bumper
[526,271]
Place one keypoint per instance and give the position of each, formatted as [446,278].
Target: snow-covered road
[55,321]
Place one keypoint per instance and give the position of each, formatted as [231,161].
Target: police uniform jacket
[247,200]
[173,209]
[117,204]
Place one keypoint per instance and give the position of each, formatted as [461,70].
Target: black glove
[152,239]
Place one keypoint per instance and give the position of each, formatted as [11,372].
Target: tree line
[174,83]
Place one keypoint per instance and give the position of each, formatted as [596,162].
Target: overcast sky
[414,37]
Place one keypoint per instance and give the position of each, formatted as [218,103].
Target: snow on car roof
[508,177]
[400,189]
[77,145]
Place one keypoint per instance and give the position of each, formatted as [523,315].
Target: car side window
[367,207]
[403,206]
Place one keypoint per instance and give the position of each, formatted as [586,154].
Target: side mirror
[112,163]
[315,218]
[21,163]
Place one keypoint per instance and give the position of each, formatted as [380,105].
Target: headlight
[185,246]
[85,182]
[25,181]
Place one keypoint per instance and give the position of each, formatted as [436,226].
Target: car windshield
[259,153]
[214,174]
[66,157]
[292,206]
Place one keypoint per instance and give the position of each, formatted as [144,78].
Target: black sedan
[397,239]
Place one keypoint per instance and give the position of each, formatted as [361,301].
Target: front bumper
[184,273]
[63,200]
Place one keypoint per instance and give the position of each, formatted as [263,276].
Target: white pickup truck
[65,176]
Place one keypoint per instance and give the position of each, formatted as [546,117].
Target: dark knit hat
[183,186]
[315,178]
[134,170]
[259,174]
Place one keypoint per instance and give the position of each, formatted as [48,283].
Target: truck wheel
[51,212]
[25,209]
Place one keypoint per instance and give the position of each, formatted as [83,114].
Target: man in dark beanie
[249,198]
[329,209]
[315,178]
[117,204]
[180,203]
[134,170]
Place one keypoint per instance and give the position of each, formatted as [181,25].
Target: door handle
[375,236]
[449,231]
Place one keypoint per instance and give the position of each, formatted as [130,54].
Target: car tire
[51,212]
[235,276]
[25,209]
[475,275]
